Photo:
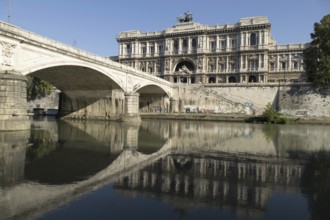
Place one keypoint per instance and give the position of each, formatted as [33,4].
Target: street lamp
[8,11]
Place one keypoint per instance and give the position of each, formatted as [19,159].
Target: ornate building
[190,52]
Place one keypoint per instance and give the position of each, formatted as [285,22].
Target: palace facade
[190,52]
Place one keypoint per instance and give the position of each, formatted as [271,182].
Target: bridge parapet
[23,36]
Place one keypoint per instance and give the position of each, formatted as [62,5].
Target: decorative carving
[184,70]
[7,53]
[212,61]
[252,57]
[200,63]
[283,58]
[222,60]
[272,59]
[167,65]
[187,17]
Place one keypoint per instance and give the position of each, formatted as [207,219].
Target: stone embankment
[231,118]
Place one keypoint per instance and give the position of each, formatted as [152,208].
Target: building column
[121,54]
[174,105]
[13,102]
[180,46]
[189,45]
[227,43]
[131,107]
[289,62]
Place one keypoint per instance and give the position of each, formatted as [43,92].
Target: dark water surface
[165,170]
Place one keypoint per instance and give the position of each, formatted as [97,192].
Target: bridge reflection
[224,164]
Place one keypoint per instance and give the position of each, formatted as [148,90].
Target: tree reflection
[42,144]
[316,184]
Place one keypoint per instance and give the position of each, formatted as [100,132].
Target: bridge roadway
[81,76]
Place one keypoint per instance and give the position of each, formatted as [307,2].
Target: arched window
[212,79]
[232,79]
[253,39]
[252,79]
[185,66]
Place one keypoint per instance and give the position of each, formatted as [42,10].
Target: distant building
[190,52]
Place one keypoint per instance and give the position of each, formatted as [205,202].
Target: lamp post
[8,11]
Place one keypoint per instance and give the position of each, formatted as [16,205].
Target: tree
[317,55]
[270,115]
[37,88]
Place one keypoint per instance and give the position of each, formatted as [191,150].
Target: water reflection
[187,165]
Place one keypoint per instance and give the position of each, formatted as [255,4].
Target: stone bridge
[91,85]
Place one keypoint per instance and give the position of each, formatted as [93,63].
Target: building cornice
[195,30]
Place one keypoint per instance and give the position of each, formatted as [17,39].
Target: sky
[92,25]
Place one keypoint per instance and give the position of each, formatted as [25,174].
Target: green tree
[317,56]
[270,114]
[37,88]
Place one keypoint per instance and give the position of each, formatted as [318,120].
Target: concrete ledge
[231,118]
[196,116]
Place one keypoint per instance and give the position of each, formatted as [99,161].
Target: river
[162,169]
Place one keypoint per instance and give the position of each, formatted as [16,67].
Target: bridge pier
[12,155]
[13,102]
[131,107]
[174,105]
[131,136]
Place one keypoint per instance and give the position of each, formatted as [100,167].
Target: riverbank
[231,118]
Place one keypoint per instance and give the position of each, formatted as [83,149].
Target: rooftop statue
[187,17]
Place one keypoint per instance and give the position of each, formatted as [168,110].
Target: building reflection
[243,182]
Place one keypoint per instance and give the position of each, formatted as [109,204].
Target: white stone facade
[190,52]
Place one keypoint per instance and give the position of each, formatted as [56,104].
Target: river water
[160,169]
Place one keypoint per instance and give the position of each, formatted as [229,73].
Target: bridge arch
[153,98]
[59,72]
[88,91]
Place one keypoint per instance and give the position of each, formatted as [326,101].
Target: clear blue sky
[94,24]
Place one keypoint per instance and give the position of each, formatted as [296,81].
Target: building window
[212,79]
[253,39]
[128,49]
[160,49]
[283,65]
[252,79]
[194,44]
[295,65]
[211,67]
[152,49]
[272,66]
[213,45]
[253,65]
[223,44]
[143,50]
[232,66]
[176,45]
[222,67]
[184,44]
[232,79]
[233,43]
